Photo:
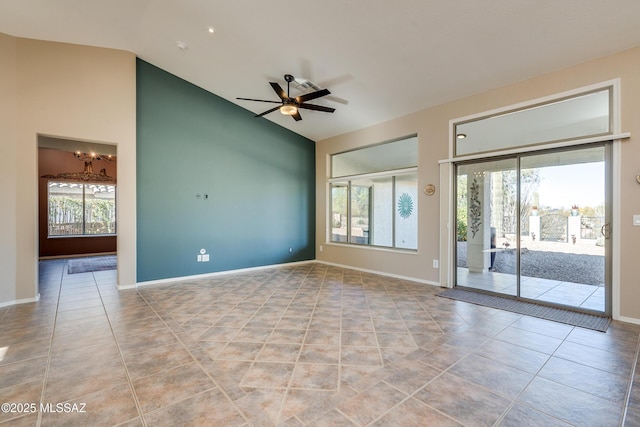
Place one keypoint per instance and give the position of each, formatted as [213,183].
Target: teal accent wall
[211,176]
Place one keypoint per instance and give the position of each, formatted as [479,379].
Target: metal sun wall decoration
[405,205]
[475,208]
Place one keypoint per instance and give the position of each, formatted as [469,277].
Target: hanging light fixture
[87,174]
[92,156]
[288,109]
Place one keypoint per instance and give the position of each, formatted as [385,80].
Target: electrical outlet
[320,248]
[290,250]
[436,264]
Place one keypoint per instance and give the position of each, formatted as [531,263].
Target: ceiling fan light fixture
[290,106]
[288,109]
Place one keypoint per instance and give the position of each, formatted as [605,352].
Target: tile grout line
[533,378]
[124,364]
[222,389]
[630,386]
[390,366]
[537,375]
[373,325]
[340,368]
[195,359]
[306,332]
[414,393]
[293,290]
[253,361]
[323,286]
[53,329]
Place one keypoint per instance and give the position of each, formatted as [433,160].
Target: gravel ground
[567,267]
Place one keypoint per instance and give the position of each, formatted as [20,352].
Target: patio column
[479,222]
[534,227]
[573,228]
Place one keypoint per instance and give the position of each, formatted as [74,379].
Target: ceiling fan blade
[278,90]
[267,112]
[313,95]
[297,117]
[317,108]
[260,100]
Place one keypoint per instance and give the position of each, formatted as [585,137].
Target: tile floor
[588,297]
[303,345]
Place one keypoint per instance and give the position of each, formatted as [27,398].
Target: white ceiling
[380,59]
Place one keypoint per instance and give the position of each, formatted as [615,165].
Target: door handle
[605,230]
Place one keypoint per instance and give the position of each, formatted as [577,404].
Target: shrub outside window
[79,209]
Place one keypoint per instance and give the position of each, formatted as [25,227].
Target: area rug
[583,320]
[94,263]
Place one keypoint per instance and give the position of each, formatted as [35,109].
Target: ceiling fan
[289,106]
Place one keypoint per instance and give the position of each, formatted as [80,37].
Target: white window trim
[532,148]
[614,84]
[394,172]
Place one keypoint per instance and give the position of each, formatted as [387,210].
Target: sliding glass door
[486,225]
[536,226]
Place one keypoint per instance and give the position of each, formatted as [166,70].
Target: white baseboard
[381,273]
[214,274]
[20,301]
[628,319]
[266,267]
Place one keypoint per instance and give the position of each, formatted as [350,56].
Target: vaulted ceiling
[380,59]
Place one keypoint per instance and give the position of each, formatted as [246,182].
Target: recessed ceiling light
[211,30]
[182,46]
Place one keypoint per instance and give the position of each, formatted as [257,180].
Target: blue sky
[579,184]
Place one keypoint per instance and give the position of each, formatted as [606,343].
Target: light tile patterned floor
[303,345]
[578,295]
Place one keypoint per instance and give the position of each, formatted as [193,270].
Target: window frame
[347,181]
[84,233]
[532,107]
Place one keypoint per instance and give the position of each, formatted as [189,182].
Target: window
[339,212]
[374,196]
[77,209]
[579,116]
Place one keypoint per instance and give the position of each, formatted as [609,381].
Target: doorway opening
[77,199]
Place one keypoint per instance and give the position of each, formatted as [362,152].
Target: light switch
[636,220]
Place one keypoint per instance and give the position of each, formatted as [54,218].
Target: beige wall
[7,168]
[432,127]
[72,92]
